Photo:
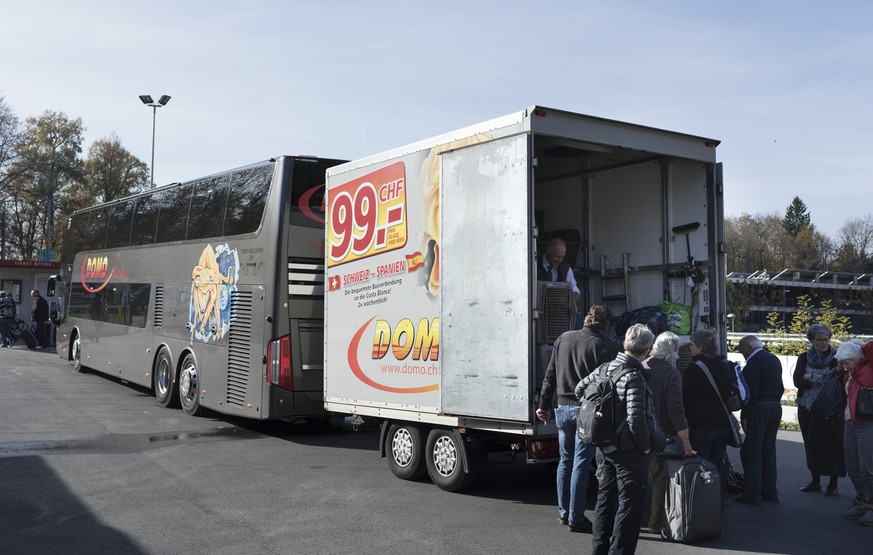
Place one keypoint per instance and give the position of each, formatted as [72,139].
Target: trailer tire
[406,452]
[445,461]
[164,380]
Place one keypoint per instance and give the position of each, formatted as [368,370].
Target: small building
[20,277]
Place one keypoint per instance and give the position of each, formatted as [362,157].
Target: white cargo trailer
[435,324]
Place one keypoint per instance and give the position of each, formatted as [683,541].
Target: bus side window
[76,236]
[173,214]
[246,200]
[145,219]
[208,201]
[119,225]
[95,237]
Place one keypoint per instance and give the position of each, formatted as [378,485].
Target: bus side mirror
[51,287]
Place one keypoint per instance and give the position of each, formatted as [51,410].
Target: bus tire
[76,353]
[445,461]
[405,452]
[189,385]
[164,377]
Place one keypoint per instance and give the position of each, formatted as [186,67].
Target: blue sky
[786,86]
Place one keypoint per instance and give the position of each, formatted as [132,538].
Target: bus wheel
[165,380]
[405,452]
[189,386]
[76,353]
[444,463]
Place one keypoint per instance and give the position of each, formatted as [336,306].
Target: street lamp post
[147,100]
[731,318]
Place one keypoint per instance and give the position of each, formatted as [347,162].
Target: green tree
[48,164]
[796,218]
[791,340]
[9,137]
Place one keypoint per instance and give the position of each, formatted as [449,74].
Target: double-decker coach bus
[210,292]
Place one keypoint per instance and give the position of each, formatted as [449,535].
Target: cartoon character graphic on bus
[213,280]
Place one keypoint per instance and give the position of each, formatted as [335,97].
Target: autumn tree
[112,172]
[855,250]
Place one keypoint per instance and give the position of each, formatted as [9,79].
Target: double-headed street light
[147,100]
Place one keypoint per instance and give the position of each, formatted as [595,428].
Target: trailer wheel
[444,463]
[406,452]
[189,385]
[165,380]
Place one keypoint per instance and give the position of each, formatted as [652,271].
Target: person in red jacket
[858,433]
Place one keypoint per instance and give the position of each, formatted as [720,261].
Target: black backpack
[596,424]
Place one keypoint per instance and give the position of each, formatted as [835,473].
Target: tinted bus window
[173,214]
[126,304]
[75,237]
[207,208]
[119,225]
[95,236]
[307,192]
[145,219]
[246,199]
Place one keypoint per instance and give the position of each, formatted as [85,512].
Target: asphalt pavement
[89,464]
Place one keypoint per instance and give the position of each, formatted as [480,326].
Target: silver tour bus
[210,292]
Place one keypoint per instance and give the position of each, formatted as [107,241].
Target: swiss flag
[333,283]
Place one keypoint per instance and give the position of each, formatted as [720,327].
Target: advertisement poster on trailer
[383,281]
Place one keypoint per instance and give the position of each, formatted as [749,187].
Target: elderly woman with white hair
[822,435]
[855,360]
[665,381]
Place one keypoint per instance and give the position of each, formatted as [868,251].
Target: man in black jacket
[575,355]
[40,315]
[760,418]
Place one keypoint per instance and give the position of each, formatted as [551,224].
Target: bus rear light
[279,363]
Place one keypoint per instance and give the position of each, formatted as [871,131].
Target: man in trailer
[553,267]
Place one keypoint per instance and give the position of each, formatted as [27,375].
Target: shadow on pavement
[38,510]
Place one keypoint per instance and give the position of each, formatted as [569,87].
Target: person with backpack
[760,419]
[623,466]
[7,320]
[822,435]
[575,354]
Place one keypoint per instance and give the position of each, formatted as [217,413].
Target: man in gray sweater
[575,355]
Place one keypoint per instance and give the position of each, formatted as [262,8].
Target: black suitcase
[29,338]
[693,501]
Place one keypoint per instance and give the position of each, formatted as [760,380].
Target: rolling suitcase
[693,501]
[29,337]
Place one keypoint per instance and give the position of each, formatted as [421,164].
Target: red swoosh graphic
[356,368]
[98,289]
[303,204]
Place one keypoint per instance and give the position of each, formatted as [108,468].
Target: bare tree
[855,251]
